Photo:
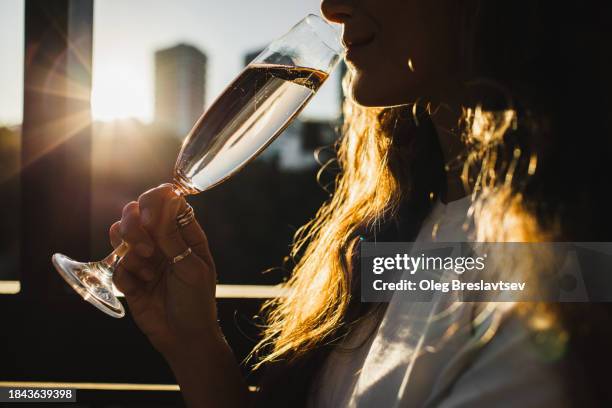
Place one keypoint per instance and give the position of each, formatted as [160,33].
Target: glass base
[92,281]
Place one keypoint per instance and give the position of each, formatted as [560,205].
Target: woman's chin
[369,100]
[373,94]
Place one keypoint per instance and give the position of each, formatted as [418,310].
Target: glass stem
[112,260]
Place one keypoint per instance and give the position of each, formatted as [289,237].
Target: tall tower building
[180,80]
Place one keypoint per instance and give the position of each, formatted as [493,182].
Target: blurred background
[95,100]
[156,66]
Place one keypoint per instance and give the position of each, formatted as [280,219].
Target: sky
[127,33]
[11,61]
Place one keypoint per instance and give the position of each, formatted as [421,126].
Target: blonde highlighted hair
[529,175]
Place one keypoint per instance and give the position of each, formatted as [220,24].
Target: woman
[504,100]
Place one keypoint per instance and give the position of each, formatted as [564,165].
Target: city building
[180,81]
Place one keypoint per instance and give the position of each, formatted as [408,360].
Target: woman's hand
[173,304]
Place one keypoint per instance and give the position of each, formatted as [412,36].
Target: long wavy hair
[386,159]
[538,137]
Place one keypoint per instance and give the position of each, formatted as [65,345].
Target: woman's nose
[337,11]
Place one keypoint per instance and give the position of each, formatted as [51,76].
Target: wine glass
[252,111]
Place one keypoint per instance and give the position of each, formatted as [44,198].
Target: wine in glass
[252,111]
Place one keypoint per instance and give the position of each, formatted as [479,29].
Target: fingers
[195,238]
[128,283]
[115,234]
[145,269]
[133,233]
[136,268]
[134,273]
[159,208]
[151,203]
[166,230]
[171,242]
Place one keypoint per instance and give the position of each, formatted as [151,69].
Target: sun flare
[118,92]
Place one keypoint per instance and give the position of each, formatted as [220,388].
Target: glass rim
[326,33]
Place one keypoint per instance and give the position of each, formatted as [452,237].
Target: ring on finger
[181,256]
[186,217]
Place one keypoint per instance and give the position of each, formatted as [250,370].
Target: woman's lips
[355,46]
[355,41]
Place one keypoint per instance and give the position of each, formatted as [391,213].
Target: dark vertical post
[342,68]
[56,140]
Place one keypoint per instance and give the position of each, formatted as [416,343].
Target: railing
[50,337]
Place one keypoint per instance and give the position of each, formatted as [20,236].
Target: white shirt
[408,361]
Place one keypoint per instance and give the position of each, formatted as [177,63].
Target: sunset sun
[119,92]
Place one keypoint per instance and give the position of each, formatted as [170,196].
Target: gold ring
[181,256]
[186,217]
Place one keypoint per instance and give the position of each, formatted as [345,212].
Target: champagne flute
[252,111]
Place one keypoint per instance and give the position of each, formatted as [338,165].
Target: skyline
[125,41]
[180,74]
